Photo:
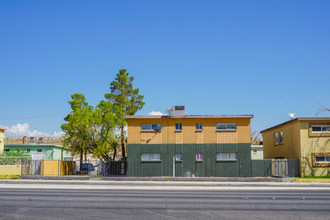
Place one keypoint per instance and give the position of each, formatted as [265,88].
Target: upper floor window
[178,126]
[150,157]
[226,126]
[199,126]
[320,128]
[276,138]
[281,137]
[151,127]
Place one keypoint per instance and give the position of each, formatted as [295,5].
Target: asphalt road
[18,203]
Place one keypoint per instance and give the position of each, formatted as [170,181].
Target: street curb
[201,179]
[39,177]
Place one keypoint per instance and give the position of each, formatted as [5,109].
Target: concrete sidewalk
[173,179]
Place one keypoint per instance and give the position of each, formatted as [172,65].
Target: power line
[34,116]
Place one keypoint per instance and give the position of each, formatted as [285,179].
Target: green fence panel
[261,167]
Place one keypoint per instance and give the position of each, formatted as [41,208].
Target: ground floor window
[150,157]
[320,159]
[178,157]
[226,156]
[199,156]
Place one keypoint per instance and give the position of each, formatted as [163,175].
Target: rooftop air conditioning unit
[179,110]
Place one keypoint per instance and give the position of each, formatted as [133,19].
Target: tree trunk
[114,153]
[81,162]
[122,143]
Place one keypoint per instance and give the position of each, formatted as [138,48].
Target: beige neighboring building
[257,152]
[306,139]
[34,140]
[2,139]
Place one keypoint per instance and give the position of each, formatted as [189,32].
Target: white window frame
[325,160]
[199,126]
[227,126]
[178,157]
[199,156]
[321,126]
[231,156]
[150,126]
[276,138]
[281,137]
[176,127]
[151,157]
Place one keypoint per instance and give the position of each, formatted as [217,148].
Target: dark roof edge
[297,119]
[187,116]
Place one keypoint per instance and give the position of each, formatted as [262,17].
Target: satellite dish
[292,115]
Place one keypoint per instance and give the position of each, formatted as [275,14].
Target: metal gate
[285,167]
[30,167]
[114,168]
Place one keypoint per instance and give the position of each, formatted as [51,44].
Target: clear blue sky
[266,58]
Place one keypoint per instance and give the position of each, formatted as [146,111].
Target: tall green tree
[91,130]
[104,141]
[126,98]
[77,128]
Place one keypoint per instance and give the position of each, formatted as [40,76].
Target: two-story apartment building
[306,139]
[188,145]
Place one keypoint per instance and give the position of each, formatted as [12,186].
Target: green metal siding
[189,166]
[261,167]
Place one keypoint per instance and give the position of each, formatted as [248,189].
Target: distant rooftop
[299,119]
[33,145]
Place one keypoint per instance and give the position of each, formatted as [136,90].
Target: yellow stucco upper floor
[294,138]
[188,129]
